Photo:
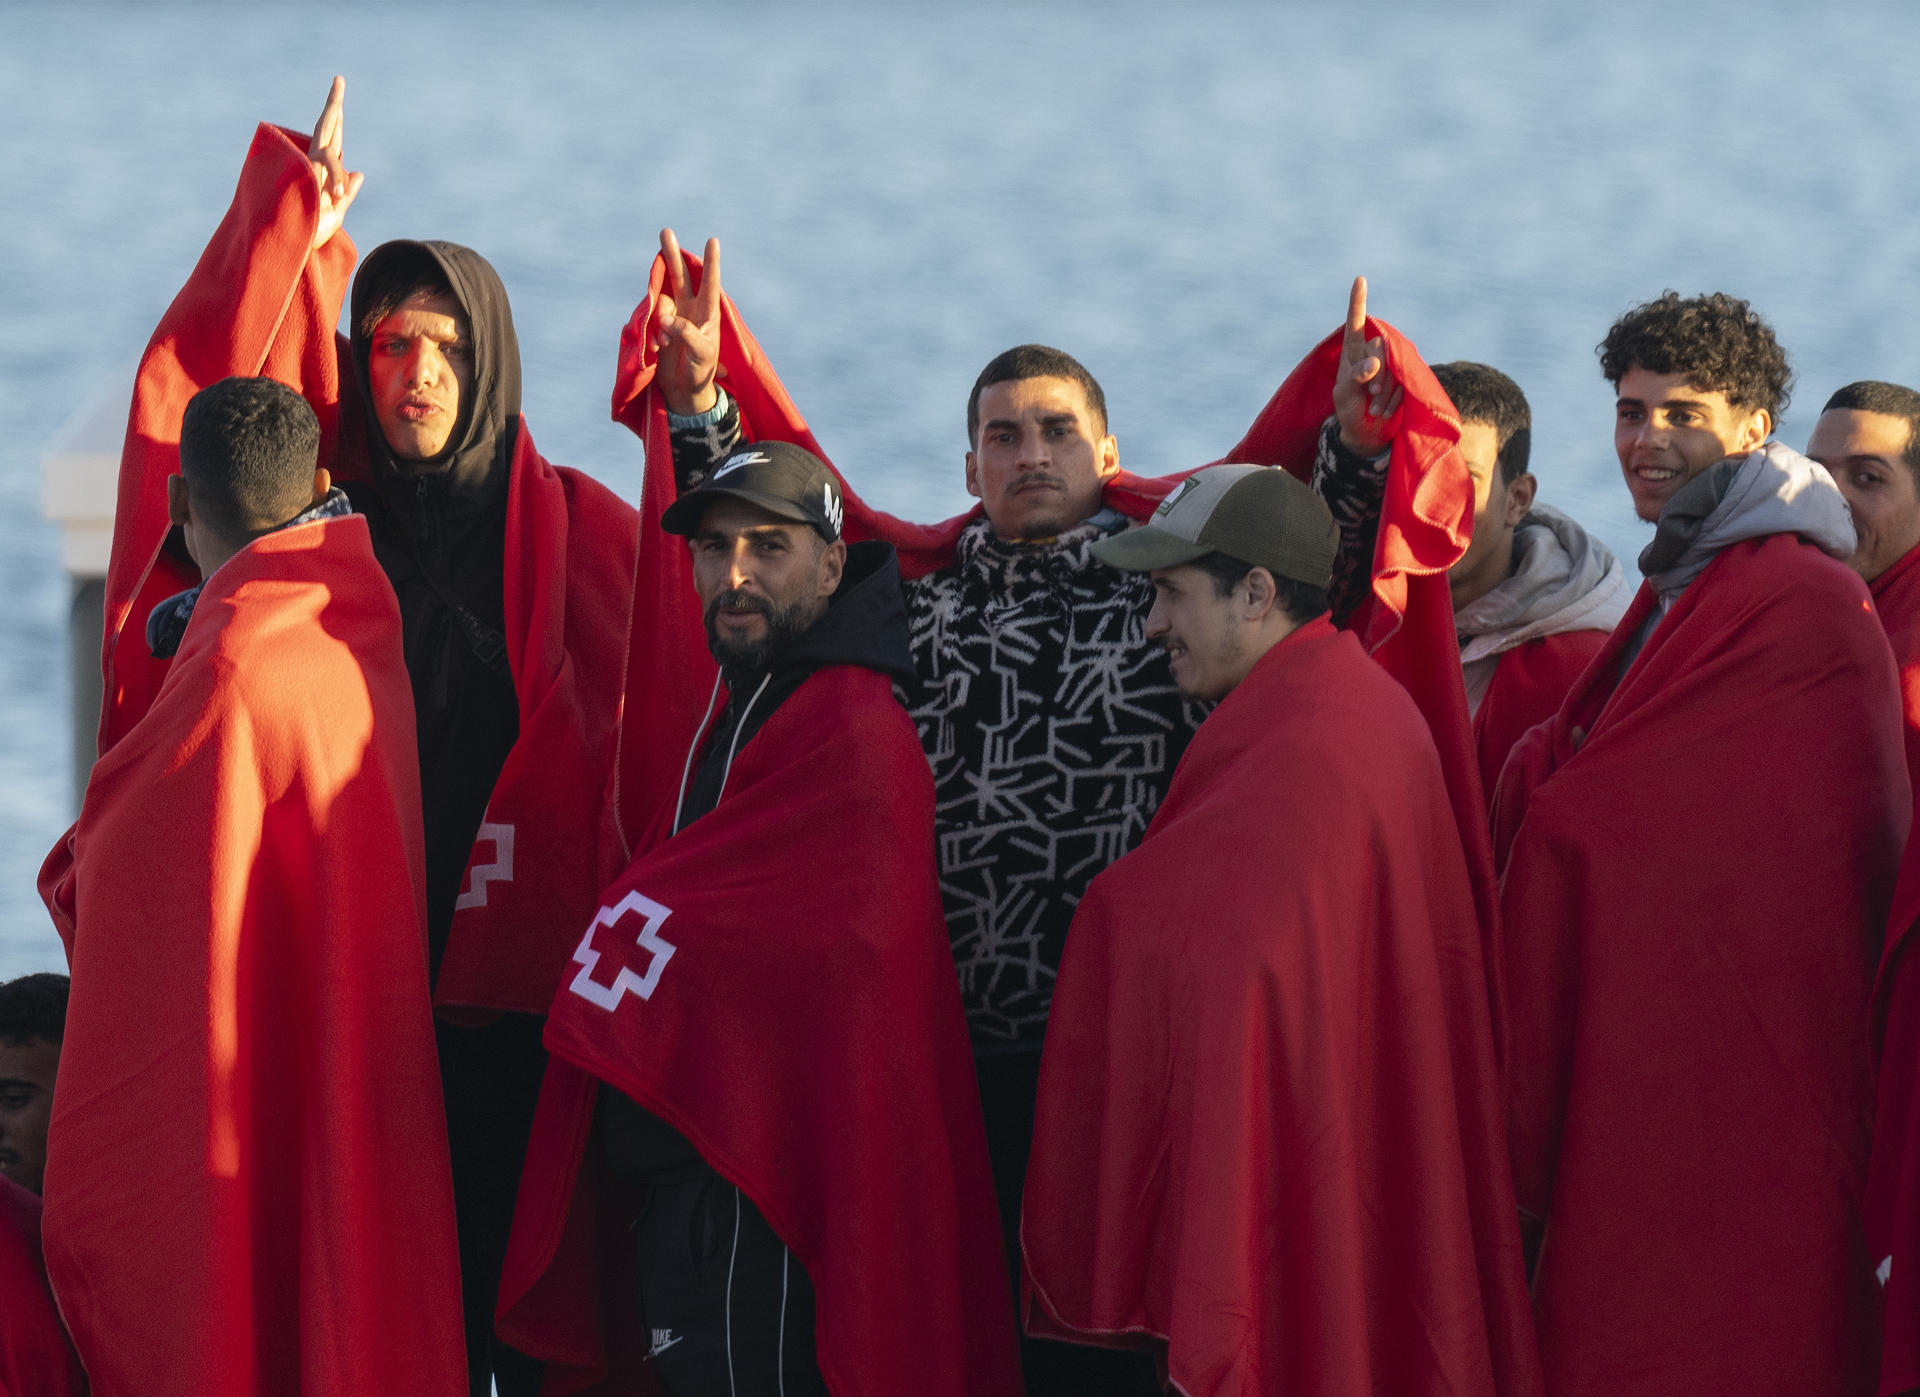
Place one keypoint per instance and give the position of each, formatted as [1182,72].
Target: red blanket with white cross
[774,982]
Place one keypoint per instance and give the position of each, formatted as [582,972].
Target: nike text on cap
[1257,515]
[785,480]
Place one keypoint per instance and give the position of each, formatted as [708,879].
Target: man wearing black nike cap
[783,596]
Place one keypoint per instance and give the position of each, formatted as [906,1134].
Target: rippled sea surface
[1177,195]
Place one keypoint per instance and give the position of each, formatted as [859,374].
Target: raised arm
[1350,466]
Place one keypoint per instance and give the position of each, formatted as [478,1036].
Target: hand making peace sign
[687,331]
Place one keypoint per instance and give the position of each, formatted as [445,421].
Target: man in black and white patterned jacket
[1052,725]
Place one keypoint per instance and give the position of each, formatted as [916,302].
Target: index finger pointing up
[1357,314]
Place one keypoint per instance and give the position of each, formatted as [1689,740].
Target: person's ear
[1520,497]
[1108,457]
[322,484]
[1754,432]
[833,565]
[973,476]
[177,509]
[1262,592]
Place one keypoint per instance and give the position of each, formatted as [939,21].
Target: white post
[79,479]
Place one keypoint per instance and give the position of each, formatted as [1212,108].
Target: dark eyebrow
[8,1083]
[1001,423]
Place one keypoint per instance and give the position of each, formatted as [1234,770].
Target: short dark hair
[1718,343]
[400,273]
[249,448]
[1301,601]
[1025,361]
[34,1006]
[1481,393]
[1890,400]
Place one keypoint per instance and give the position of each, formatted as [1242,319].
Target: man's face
[1040,459]
[420,368]
[26,1100]
[1666,432]
[1864,453]
[762,580]
[1200,632]
[1497,509]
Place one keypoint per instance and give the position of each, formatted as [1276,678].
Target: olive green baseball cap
[1257,515]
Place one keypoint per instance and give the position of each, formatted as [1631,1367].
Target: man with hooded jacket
[513,578]
[1698,863]
[764,1040]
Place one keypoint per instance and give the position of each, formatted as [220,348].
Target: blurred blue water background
[1178,195]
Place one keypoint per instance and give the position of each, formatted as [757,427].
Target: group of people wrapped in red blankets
[1302,925]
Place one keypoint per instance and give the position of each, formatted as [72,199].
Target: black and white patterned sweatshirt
[1052,727]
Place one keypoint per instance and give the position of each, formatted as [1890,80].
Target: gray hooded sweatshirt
[1563,579]
[1775,490]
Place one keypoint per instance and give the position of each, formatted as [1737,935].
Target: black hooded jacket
[439,531]
[865,624]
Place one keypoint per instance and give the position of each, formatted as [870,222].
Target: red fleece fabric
[1407,625]
[36,1359]
[259,302]
[247,1188]
[774,982]
[1702,857]
[1269,1145]
[1529,685]
[1893,1179]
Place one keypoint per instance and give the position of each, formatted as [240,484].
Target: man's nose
[1034,450]
[738,573]
[423,363]
[1157,623]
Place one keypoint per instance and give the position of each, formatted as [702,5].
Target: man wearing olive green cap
[1268,1149]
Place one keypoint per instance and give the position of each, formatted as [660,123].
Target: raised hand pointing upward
[337,184]
[687,330]
[1365,395]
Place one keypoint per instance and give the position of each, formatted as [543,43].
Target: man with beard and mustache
[795,1085]
[514,578]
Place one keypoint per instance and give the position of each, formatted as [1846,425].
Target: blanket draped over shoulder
[1691,927]
[247,1187]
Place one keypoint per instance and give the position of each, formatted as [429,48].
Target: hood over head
[475,460]
[1774,490]
[1563,579]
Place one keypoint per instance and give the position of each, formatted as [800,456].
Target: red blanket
[774,982]
[1701,862]
[247,1186]
[1408,627]
[1269,1143]
[259,302]
[1529,685]
[35,1358]
[1893,1179]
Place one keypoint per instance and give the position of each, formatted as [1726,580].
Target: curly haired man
[1700,849]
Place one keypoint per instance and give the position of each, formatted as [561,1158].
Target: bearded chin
[742,656]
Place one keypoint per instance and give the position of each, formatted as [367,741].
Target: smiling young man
[514,581]
[1535,595]
[1357,1227]
[764,1040]
[1689,1073]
